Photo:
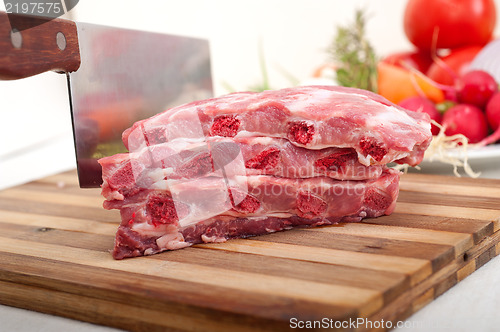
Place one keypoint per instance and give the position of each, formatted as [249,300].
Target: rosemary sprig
[354,56]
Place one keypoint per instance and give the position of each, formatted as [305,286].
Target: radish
[423,105]
[493,111]
[493,115]
[491,139]
[476,87]
[467,120]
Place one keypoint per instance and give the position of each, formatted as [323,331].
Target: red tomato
[457,22]
[457,62]
[414,59]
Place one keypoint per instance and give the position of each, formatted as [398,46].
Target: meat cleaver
[115,76]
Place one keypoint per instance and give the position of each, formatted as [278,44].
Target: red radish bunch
[446,41]
[476,110]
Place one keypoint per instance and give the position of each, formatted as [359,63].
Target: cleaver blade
[115,76]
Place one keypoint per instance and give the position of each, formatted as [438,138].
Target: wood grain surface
[55,242]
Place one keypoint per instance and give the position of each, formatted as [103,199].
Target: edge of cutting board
[26,288]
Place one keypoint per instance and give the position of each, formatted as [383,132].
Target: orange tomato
[396,84]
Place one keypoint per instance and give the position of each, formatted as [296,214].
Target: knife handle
[31,45]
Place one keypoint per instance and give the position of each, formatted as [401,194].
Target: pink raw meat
[127,172]
[252,163]
[314,117]
[153,221]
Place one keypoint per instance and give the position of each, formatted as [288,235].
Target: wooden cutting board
[54,258]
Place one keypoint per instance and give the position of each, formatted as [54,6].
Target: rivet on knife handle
[51,45]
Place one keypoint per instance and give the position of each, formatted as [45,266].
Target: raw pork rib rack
[247,164]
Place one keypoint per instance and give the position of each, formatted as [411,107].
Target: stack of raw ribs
[248,163]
